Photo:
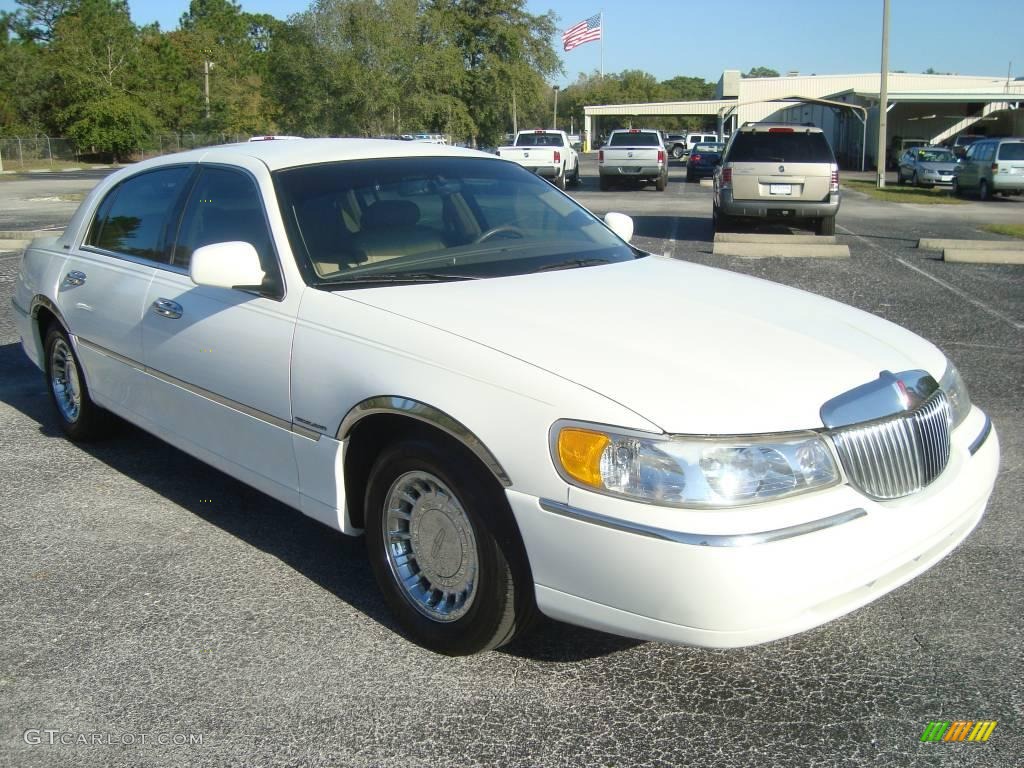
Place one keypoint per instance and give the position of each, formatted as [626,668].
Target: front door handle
[167,308]
[74,277]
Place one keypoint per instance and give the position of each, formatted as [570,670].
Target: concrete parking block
[707,182]
[979,256]
[782,250]
[9,244]
[941,244]
[28,234]
[751,237]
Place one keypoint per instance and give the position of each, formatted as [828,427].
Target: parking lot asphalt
[145,594]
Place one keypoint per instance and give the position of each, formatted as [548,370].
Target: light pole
[554,121]
[883,98]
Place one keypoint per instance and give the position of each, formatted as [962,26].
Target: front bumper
[794,209]
[713,584]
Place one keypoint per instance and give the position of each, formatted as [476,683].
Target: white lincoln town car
[434,347]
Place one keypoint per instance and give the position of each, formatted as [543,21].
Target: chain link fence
[21,153]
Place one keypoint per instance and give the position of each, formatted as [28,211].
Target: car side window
[133,217]
[225,206]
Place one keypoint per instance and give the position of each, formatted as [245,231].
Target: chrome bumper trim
[986,430]
[700,539]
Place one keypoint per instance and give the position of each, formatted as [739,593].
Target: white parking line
[952,288]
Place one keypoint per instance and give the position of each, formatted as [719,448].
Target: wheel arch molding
[427,414]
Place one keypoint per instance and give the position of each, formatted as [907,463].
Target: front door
[218,357]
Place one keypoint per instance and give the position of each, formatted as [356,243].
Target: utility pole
[554,122]
[207,66]
[515,117]
[883,99]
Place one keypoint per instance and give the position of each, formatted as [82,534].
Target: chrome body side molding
[428,414]
[700,539]
[269,418]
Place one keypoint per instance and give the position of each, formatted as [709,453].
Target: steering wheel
[510,229]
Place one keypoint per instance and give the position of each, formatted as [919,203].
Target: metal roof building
[930,107]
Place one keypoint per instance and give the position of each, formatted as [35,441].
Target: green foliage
[761,72]
[83,69]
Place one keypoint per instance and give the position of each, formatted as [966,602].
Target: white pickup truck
[633,154]
[546,153]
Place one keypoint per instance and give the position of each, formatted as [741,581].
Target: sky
[665,38]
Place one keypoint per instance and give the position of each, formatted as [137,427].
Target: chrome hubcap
[64,381]
[430,546]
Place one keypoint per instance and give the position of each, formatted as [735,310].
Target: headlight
[956,391]
[692,471]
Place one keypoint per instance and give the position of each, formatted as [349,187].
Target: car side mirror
[234,264]
[620,224]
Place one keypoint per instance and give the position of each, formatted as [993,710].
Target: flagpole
[602,43]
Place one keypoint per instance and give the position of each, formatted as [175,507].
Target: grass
[896,194]
[1013,230]
[13,167]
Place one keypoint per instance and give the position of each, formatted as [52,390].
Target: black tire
[899,178]
[984,193]
[677,151]
[560,182]
[501,602]
[719,221]
[826,226]
[576,181]
[80,418]
[662,183]
[689,177]
[955,188]
[604,184]
[914,180]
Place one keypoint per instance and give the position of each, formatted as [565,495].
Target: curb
[733,237]
[782,250]
[983,256]
[940,244]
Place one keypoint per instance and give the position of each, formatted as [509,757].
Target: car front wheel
[983,190]
[80,418]
[444,549]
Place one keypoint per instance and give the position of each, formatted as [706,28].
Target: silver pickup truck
[633,154]
[546,153]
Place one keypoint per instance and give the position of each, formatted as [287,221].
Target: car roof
[288,154]
[765,127]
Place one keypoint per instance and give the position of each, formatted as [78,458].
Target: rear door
[631,149]
[781,164]
[1010,159]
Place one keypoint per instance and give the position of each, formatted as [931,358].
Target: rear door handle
[74,277]
[167,308]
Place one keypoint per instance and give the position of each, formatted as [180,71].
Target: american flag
[584,32]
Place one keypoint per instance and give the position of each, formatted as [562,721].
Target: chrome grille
[900,455]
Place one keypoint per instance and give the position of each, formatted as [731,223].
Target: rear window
[639,139]
[1014,151]
[539,140]
[796,147]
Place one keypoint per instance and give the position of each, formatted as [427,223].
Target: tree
[761,72]
[101,70]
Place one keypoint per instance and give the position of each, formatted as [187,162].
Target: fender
[429,415]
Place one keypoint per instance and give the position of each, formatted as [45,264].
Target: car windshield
[434,218]
[779,147]
[1011,151]
[935,156]
[634,139]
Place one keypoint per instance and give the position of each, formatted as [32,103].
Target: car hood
[940,165]
[692,349]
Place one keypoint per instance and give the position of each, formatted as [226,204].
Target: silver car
[929,166]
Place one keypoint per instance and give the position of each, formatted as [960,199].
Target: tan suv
[777,172]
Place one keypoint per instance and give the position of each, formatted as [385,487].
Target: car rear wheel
[983,191]
[444,549]
[560,181]
[826,225]
[662,183]
[576,175]
[955,188]
[80,418]
[719,221]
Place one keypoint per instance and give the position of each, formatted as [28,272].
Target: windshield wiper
[402,277]
[572,264]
